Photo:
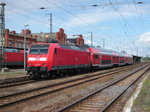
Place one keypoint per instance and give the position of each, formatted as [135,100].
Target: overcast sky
[124,24]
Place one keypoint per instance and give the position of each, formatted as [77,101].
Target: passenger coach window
[39,49]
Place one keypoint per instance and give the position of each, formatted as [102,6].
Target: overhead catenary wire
[101,5]
[68,11]
[53,14]
[117,3]
[139,14]
[126,22]
[86,23]
[45,8]
[26,16]
[134,18]
[93,27]
[29,17]
[37,20]
[123,26]
[123,18]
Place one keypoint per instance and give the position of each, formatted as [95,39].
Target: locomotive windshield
[39,49]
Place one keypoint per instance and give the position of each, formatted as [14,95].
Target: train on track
[51,59]
[13,57]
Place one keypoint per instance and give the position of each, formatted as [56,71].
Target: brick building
[43,36]
[15,40]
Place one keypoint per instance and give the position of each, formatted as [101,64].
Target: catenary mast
[2,33]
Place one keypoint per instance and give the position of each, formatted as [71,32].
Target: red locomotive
[47,58]
[13,57]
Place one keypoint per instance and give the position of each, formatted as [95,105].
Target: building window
[28,45]
[20,45]
[10,43]
[16,44]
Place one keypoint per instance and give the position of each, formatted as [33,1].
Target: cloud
[87,18]
[97,16]
[141,46]
[88,42]
[144,40]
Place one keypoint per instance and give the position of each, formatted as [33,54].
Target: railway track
[13,81]
[16,83]
[25,80]
[10,99]
[102,99]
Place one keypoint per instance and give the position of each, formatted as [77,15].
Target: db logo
[37,59]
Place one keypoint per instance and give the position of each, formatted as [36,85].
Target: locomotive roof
[80,48]
[67,46]
[11,50]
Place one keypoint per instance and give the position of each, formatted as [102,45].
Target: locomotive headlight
[31,59]
[43,59]
[29,63]
[44,64]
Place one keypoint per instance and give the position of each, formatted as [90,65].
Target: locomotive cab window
[39,49]
[55,51]
[96,56]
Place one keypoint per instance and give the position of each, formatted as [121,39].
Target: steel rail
[119,95]
[52,85]
[12,80]
[10,103]
[106,86]
[17,81]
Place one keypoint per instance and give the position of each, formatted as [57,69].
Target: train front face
[37,61]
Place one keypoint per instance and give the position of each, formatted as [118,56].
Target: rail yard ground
[60,95]
[12,73]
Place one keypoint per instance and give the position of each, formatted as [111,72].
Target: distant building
[41,37]
[15,40]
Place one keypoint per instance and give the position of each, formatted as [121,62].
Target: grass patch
[145,59]
[7,74]
[142,102]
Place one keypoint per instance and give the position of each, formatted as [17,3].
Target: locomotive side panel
[14,58]
[66,58]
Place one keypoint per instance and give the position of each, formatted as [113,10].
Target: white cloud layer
[144,40]
[96,16]
[142,45]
